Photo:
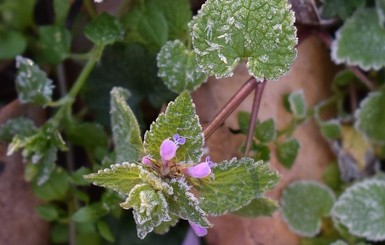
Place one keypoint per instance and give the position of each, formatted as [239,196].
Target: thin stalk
[254,115]
[360,75]
[231,105]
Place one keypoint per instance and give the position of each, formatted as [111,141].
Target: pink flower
[199,230]
[146,161]
[200,170]
[168,149]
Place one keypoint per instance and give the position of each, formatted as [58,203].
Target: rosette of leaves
[159,198]
[227,32]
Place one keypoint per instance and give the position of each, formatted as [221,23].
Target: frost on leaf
[303,205]
[371,117]
[235,184]
[104,29]
[119,177]
[180,118]
[32,84]
[339,242]
[178,67]
[21,126]
[149,206]
[186,205]
[165,226]
[380,7]
[297,104]
[125,127]
[361,208]
[360,41]
[226,32]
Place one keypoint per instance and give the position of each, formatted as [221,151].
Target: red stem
[231,105]
[254,114]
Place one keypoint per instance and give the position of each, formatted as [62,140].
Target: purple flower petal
[191,238]
[168,149]
[200,170]
[146,161]
[199,230]
[208,160]
[179,140]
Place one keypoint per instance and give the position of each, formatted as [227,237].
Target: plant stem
[231,105]
[79,83]
[254,114]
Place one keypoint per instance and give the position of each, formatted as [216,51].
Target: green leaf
[54,44]
[303,204]
[260,152]
[243,121]
[361,208]
[287,152]
[185,205]
[12,43]
[147,26]
[61,10]
[340,8]
[125,127]
[226,32]
[119,177]
[380,8]
[77,176]
[105,231]
[21,126]
[331,129]
[87,135]
[47,212]
[371,117]
[332,176]
[90,213]
[258,207]
[265,131]
[130,66]
[164,227]
[180,118]
[55,188]
[150,208]
[17,14]
[154,22]
[40,149]
[32,84]
[297,104]
[178,67]
[366,51]
[104,29]
[235,184]
[178,14]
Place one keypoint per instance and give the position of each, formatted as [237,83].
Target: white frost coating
[361,208]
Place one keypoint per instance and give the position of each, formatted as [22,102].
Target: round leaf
[303,204]
[226,32]
[361,208]
[371,117]
[360,41]
[178,67]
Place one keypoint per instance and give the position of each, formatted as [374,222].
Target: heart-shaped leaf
[303,205]
[226,32]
